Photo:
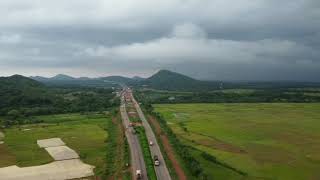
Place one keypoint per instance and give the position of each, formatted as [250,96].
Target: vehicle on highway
[151,143]
[156,160]
[138,174]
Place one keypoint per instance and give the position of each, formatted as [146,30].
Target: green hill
[62,80]
[30,97]
[18,81]
[63,77]
[19,91]
[167,80]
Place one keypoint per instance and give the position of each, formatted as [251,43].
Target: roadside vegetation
[85,133]
[146,152]
[117,156]
[127,172]
[251,140]
[173,165]
[190,164]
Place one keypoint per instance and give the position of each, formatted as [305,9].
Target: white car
[151,143]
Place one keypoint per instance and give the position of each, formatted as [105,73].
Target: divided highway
[137,160]
[162,170]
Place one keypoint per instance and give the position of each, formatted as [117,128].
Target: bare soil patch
[62,153]
[67,165]
[168,148]
[7,158]
[268,154]
[53,142]
[216,143]
[58,170]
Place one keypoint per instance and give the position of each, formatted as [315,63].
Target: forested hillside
[167,80]
[21,96]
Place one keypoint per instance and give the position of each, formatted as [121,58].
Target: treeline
[193,166]
[278,95]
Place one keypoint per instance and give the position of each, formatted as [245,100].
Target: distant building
[172,98]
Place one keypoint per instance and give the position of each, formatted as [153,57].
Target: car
[156,160]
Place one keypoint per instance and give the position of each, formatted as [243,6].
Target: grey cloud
[224,39]
[188,42]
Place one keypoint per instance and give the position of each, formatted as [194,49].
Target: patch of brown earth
[215,143]
[168,148]
[221,146]
[7,158]
[268,154]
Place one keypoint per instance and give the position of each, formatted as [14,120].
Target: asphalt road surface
[137,161]
[162,170]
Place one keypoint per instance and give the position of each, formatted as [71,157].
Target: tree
[14,114]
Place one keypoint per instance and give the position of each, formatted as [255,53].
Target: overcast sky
[206,39]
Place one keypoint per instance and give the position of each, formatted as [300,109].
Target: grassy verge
[134,119]
[117,150]
[127,173]
[146,152]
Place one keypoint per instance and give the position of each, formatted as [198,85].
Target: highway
[137,160]
[162,170]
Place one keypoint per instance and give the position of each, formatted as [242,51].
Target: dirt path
[168,148]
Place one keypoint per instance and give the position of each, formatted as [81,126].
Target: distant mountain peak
[168,80]
[19,80]
[62,77]
[169,75]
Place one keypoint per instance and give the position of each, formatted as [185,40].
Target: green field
[83,133]
[267,141]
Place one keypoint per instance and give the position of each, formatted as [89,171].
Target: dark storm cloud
[208,39]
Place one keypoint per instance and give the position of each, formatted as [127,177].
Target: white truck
[138,174]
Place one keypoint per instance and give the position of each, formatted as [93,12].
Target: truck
[138,174]
[156,160]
